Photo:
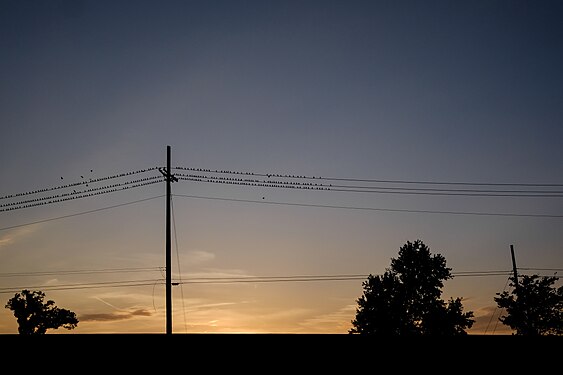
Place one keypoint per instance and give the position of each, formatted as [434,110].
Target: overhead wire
[79,272]
[275,184]
[370,189]
[163,276]
[178,264]
[103,284]
[91,190]
[500,311]
[179,275]
[495,310]
[81,194]
[540,269]
[217,280]
[81,213]
[272,280]
[78,183]
[473,213]
[385,181]
[332,277]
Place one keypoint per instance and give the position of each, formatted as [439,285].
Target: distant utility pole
[169,179]
[514,267]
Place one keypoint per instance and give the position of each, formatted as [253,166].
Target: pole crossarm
[169,177]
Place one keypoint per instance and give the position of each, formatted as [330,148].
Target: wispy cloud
[195,257]
[333,322]
[212,305]
[285,314]
[118,315]
[230,318]
[217,272]
[6,240]
[125,296]
[107,303]
[10,238]
[487,323]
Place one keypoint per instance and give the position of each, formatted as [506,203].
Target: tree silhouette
[405,300]
[35,317]
[534,307]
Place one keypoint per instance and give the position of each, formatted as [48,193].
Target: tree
[36,317]
[534,307]
[405,300]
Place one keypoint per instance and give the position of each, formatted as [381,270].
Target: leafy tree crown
[35,316]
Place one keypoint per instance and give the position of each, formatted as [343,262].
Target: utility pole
[169,179]
[514,267]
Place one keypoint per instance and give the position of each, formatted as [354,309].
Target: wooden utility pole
[514,267]
[168,249]
[169,179]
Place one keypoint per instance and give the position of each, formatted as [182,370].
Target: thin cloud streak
[107,303]
[487,323]
[17,234]
[121,315]
[196,257]
[216,273]
[338,321]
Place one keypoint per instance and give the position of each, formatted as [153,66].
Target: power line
[179,275]
[222,280]
[101,284]
[277,279]
[473,272]
[495,310]
[253,278]
[73,184]
[81,213]
[88,193]
[506,214]
[284,184]
[86,287]
[421,182]
[500,312]
[291,185]
[178,264]
[331,277]
[268,280]
[484,274]
[84,193]
[515,192]
[541,269]
[80,272]
[373,189]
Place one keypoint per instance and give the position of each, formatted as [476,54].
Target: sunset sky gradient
[451,91]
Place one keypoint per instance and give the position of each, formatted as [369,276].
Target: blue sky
[391,90]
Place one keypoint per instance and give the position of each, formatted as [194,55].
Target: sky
[347,92]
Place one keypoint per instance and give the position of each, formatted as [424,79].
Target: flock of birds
[91,171]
